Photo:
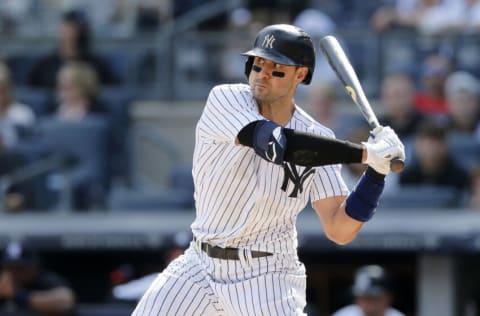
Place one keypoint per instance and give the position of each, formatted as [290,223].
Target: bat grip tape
[363,200]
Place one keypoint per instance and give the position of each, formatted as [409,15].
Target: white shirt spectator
[354,310]
[17,115]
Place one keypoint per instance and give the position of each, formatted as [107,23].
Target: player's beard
[262,91]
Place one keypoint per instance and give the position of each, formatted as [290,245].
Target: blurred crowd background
[99,100]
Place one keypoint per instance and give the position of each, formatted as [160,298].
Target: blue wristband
[363,200]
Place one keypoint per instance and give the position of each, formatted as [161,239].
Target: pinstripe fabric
[245,202]
[181,289]
[195,284]
[239,196]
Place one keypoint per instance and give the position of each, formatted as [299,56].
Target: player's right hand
[382,146]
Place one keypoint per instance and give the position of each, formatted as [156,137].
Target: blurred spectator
[430,17]
[318,24]
[463,97]
[13,15]
[464,15]
[133,290]
[433,73]
[111,18]
[16,119]
[474,199]
[322,100]
[74,44]
[351,172]
[324,106]
[77,87]
[181,7]
[151,14]
[121,18]
[372,291]
[397,97]
[472,19]
[433,164]
[26,286]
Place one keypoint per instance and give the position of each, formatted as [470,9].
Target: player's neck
[279,113]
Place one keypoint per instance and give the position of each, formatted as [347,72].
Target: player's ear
[301,73]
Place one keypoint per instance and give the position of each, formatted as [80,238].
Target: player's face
[373,305]
[272,82]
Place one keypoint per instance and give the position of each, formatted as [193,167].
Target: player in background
[372,291]
[27,288]
[258,160]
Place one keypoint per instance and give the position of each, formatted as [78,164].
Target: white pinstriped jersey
[241,199]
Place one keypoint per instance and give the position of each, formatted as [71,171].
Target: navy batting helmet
[371,280]
[283,44]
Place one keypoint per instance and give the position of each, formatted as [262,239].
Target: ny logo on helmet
[268,41]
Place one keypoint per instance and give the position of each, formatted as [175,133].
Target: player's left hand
[382,146]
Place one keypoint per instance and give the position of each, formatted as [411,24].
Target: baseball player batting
[259,158]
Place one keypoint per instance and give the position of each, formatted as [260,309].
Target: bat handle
[397,165]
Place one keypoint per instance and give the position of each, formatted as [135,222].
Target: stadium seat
[39,100]
[465,149]
[179,194]
[109,309]
[117,101]
[468,54]
[181,178]
[84,143]
[125,63]
[20,65]
[399,53]
[420,196]
[153,200]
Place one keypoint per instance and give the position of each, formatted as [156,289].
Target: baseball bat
[342,67]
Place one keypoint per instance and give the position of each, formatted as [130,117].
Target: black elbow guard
[266,138]
[269,140]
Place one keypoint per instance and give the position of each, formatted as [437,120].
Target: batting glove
[382,146]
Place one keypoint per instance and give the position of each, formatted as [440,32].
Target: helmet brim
[270,55]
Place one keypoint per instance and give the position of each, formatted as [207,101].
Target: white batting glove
[382,146]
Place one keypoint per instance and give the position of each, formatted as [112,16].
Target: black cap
[286,45]
[371,280]
[15,253]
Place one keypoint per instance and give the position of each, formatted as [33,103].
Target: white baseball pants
[195,284]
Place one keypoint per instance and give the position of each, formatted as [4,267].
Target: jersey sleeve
[328,182]
[227,111]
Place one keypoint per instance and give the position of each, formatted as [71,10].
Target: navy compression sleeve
[309,150]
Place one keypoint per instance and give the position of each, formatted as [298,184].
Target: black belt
[228,253]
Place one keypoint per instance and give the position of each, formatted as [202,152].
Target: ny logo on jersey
[268,41]
[291,174]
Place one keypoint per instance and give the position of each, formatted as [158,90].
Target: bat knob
[397,165]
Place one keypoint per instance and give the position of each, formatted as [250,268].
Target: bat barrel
[342,67]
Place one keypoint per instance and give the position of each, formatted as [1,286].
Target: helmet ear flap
[248,66]
[308,77]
